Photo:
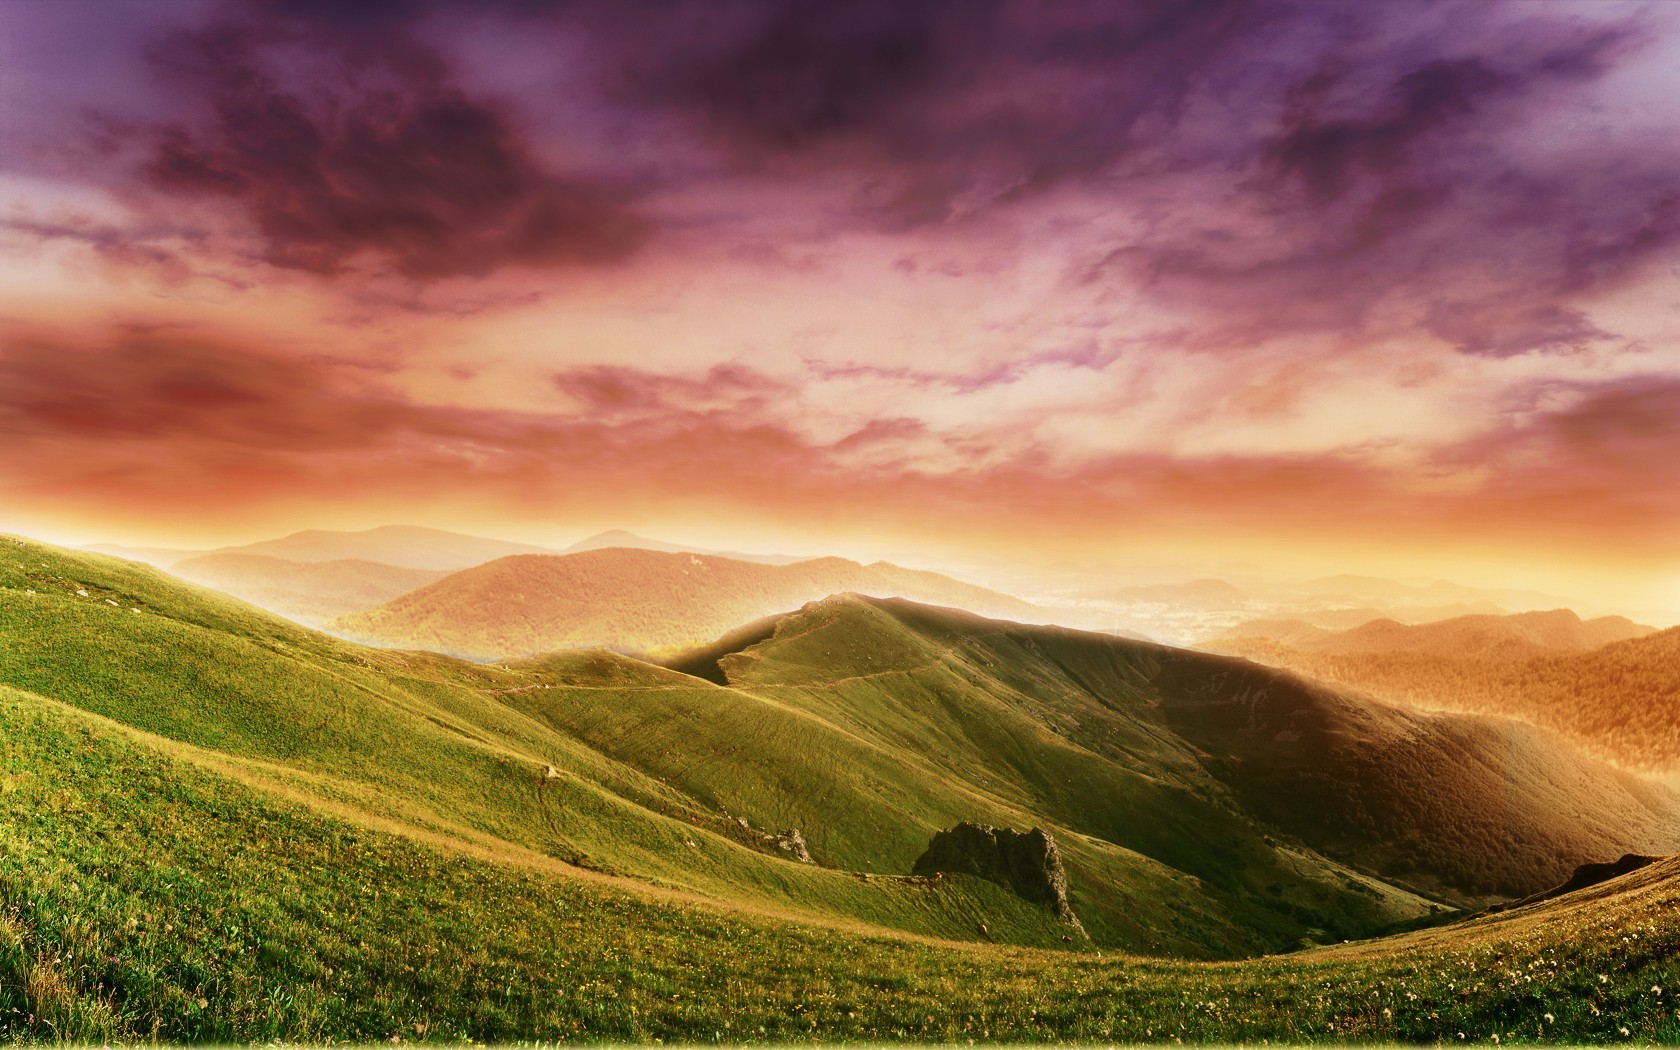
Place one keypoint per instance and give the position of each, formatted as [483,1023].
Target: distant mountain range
[411,547]
[615,588]
[1518,635]
[1611,685]
[1186,613]
[634,600]
[621,538]
[402,546]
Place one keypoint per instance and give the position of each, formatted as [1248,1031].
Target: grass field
[215,825]
[145,897]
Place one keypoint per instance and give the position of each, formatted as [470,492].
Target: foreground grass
[143,897]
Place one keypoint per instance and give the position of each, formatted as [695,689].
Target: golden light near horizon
[1389,287]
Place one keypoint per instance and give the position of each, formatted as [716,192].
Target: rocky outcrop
[791,841]
[1586,875]
[1593,874]
[1026,862]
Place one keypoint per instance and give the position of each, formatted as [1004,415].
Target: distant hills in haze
[1186,613]
[318,575]
[621,538]
[1610,684]
[1516,635]
[310,592]
[634,600]
[412,547]
[366,583]
[403,546]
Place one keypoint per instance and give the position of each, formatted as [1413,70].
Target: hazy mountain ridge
[1186,613]
[1512,636]
[318,575]
[310,592]
[624,538]
[1620,700]
[633,600]
[405,546]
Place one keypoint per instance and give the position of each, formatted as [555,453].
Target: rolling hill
[1465,805]
[633,600]
[201,803]
[1619,700]
[822,716]
[309,592]
[203,908]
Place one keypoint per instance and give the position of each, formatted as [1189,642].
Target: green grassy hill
[1061,719]
[219,825]
[632,600]
[148,895]
[658,770]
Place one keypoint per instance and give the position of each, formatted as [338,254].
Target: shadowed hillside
[1619,700]
[634,601]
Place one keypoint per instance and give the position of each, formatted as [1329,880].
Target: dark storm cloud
[1424,185]
[1327,153]
[1293,166]
[925,102]
[338,133]
[1351,160]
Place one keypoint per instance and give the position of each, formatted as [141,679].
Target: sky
[1305,286]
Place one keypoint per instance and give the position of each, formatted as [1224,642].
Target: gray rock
[1026,862]
[791,841]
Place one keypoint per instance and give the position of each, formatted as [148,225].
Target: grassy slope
[1150,747]
[143,896]
[658,766]
[413,738]
[630,600]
